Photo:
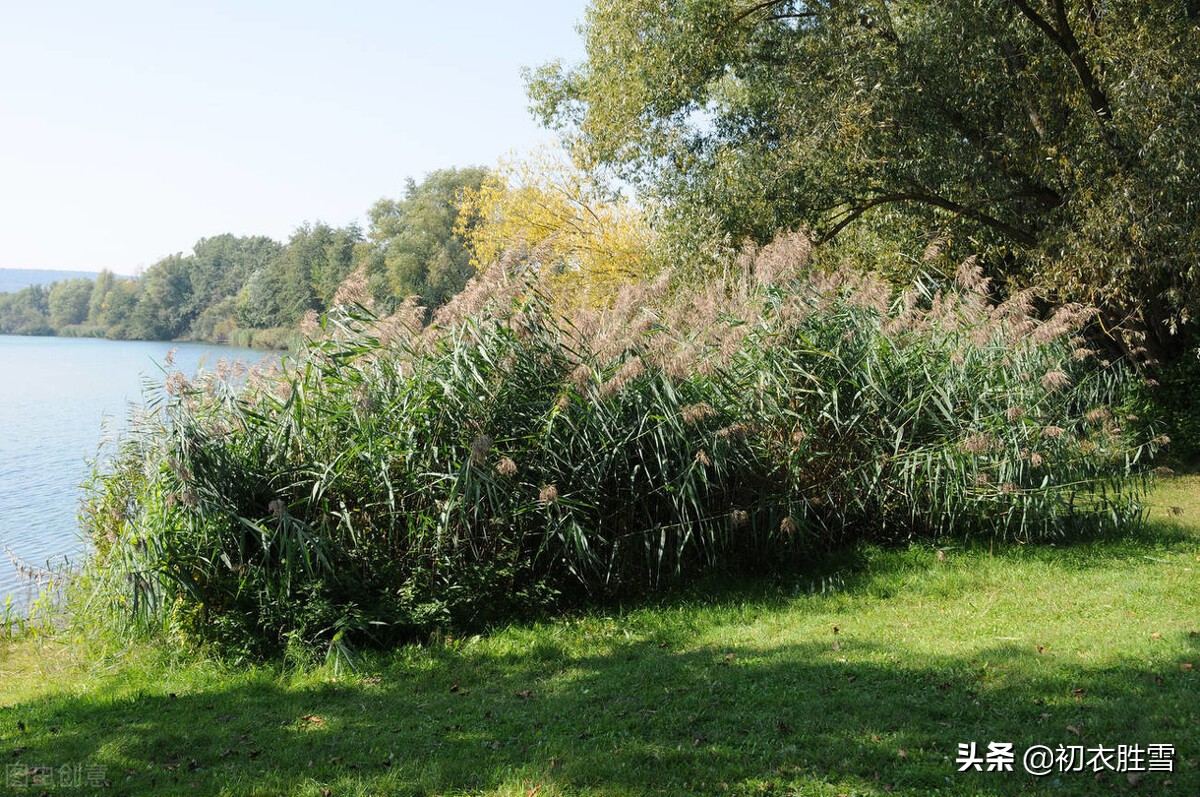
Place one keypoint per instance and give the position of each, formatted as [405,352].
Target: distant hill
[14,279]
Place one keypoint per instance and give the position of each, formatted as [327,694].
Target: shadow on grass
[637,718]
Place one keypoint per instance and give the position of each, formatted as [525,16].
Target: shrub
[395,479]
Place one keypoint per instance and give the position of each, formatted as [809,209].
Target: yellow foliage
[556,218]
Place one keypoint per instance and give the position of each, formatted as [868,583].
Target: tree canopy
[1060,139]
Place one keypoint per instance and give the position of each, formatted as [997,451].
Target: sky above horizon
[130,130]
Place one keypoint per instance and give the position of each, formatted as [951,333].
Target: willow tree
[1059,138]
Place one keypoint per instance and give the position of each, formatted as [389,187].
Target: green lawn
[859,678]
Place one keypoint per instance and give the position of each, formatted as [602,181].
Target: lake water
[59,398]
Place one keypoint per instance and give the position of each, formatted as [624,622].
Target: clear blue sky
[128,130]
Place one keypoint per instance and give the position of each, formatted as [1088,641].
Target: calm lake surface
[59,398]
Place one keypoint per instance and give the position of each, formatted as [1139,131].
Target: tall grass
[395,479]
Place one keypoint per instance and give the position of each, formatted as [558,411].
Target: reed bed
[397,479]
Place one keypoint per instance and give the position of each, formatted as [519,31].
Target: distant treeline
[254,291]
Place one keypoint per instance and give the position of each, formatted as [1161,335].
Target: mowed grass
[860,677]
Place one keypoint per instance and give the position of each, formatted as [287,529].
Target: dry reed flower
[562,403]
[506,467]
[1161,440]
[787,525]
[310,324]
[1053,432]
[480,447]
[693,413]
[1098,415]
[169,359]
[1035,459]
[1008,488]
[581,377]
[406,323]
[548,494]
[778,260]
[629,371]
[353,289]
[970,277]
[734,430]
[702,458]
[1163,470]
[976,444]
[739,517]
[277,507]
[1053,380]
[363,400]
[1014,413]
[177,384]
[934,249]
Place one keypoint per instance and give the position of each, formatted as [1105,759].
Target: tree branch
[755,9]
[1023,237]
[1064,38]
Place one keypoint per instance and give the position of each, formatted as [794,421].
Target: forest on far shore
[253,290]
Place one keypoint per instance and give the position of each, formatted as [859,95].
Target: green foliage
[1058,139]
[25,312]
[162,308]
[303,277]
[68,302]
[393,481]
[420,251]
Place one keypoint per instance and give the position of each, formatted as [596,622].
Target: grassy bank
[859,677]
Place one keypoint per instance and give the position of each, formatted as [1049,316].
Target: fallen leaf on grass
[525,694]
[1156,635]
[310,721]
[1187,665]
[1075,730]
[1079,692]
